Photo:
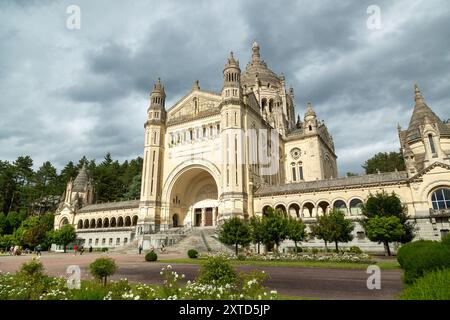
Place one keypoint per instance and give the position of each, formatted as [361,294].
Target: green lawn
[333,265]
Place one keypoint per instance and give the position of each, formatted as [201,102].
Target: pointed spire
[418,95]
[256,57]
[158,87]
[81,180]
[309,111]
[196,85]
[232,62]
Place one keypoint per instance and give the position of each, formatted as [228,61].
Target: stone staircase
[203,240]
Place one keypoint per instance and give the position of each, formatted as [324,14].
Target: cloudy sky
[66,93]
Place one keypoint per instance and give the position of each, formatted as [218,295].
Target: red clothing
[75,247]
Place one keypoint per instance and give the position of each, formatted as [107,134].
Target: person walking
[75,249]
[90,248]
[81,250]
[140,248]
[38,250]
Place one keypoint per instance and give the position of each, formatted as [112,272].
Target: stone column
[203,217]
[215,216]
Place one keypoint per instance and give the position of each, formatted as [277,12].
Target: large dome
[259,68]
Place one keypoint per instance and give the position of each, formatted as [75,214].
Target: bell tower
[233,200]
[150,205]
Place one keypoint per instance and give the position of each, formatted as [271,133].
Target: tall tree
[46,187]
[384,162]
[8,187]
[24,177]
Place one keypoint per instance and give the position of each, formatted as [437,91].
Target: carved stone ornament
[295,153]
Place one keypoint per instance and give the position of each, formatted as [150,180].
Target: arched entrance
[194,199]
[175,220]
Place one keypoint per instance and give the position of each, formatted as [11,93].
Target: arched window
[80,224]
[294,172]
[323,207]
[99,223]
[432,147]
[341,206]
[355,206]
[106,223]
[113,222]
[135,220]
[86,224]
[263,103]
[127,221]
[281,208]
[92,224]
[265,210]
[270,105]
[441,199]
[308,209]
[300,170]
[120,222]
[64,222]
[294,210]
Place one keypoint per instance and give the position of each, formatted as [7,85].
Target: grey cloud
[359,81]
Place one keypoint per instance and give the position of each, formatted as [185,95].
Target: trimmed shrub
[104,249]
[417,258]
[32,268]
[192,253]
[356,250]
[151,256]
[102,268]
[241,257]
[433,286]
[217,270]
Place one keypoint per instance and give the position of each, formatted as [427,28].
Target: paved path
[295,281]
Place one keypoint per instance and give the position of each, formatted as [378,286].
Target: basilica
[216,155]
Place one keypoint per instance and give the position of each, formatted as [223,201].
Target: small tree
[322,229]
[383,204]
[235,232]
[384,230]
[102,268]
[63,236]
[274,228]
[256,231]
[296,231]
[340,228]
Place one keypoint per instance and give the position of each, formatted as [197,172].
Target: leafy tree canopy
[384,162]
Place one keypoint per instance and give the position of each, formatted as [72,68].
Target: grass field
[386,265]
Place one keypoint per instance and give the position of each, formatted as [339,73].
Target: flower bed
[18,287]
[311,257]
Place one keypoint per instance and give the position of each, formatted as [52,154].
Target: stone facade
[233,153]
